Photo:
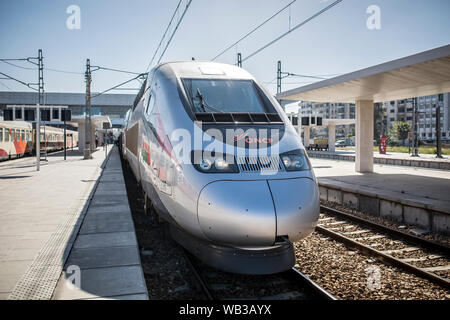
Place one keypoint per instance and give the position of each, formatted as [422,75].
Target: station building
[403,110]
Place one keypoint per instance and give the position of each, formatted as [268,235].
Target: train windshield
[217,96]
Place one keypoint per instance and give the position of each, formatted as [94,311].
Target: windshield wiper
[204,104]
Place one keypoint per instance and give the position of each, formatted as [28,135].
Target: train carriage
[15,139]
[18,139]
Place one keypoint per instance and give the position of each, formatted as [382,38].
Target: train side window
[23,135]
[1,134]
[13,135]
[6,134]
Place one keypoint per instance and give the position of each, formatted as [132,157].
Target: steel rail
[318,290]
[385,258]
[293,274]
[202,283]
[428,244]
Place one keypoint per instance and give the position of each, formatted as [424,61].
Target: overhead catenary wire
[29,85]
[180,19]
[119,85]
[116,70]
[15,65]
[253,30]
[293,29]
[66,71]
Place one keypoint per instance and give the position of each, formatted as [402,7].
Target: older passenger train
[220,161]
[18,138]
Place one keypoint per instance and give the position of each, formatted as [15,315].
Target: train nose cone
[239,213]
[297,206]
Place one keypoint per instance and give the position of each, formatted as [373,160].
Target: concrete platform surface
[104,262]
[38,209]
[422,188]
[41,215]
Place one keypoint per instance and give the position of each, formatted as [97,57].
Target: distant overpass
[112,105]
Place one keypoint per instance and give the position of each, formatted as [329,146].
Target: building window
[55,114]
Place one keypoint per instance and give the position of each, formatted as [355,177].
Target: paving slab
[104,257]
[108,225]
[102,282]
[101,240]
[126,297]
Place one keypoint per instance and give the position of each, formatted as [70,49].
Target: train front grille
[259,164]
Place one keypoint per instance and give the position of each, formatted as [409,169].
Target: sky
[125,34]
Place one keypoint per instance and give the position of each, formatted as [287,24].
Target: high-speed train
[220,161]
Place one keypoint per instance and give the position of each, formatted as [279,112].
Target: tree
[401,130]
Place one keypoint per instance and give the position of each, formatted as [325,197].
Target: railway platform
[66,231]
[416,196]
[391,158]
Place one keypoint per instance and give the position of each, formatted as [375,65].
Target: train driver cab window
[218,96]
[150,112]
[151,104]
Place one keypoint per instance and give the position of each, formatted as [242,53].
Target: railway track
[413,254]
[289,285]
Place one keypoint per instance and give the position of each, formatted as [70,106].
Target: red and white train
[18,138]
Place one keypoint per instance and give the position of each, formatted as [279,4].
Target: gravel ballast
[351,275]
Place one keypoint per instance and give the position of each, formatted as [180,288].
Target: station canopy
[422,74]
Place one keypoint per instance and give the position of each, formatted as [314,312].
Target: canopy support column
[364,135]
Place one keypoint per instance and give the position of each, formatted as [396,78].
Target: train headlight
[295,160]
[221,164]
[205,164]
[214,163]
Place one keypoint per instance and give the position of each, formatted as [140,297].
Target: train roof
[204,69]
[15,124]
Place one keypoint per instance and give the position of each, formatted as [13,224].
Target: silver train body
[242,215]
